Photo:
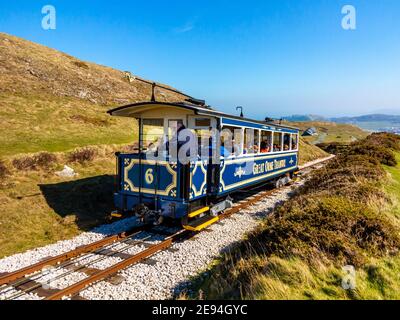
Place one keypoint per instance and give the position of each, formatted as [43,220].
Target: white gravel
[22,260]
[170,271]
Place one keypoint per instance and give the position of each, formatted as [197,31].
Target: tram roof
[134,110]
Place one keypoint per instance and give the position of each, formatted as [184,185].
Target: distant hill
[374,122]
[303,118]
[369,118]
[328,131]
[371,122]
[51,101]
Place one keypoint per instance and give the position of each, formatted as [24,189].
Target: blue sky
[276,57]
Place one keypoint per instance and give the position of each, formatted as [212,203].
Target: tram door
[172,126]
[203,127]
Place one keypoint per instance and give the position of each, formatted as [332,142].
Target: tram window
[286,142]
[204,141]
[201,122]
[232,139]
[294,142]
[251,141]
[277,142]
[173,127]
[257,141]
[266,142]
[153,132]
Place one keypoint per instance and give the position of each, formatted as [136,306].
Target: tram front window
[153,133]
[232,139]
[204,141]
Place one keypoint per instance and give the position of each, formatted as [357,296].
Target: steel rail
[68,255]
[61,265]
[77,287]
[79,267]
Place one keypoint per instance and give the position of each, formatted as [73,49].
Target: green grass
[40,123]
[293,279]
[393,187]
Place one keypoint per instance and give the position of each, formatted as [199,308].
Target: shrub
[45,160]
[81,64]
[334,147]
[82,155]
[3,171]
[382,154]
[387,140]
[330,227]
[42,160]
[93,121]
[25,163]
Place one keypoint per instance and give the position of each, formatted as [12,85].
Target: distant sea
[378,126]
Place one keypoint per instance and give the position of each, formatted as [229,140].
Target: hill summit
[51,101]
[29,68]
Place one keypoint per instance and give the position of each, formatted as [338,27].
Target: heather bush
[42,160]
[3,171]
[82,155]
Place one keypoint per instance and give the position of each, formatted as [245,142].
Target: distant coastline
[370,123]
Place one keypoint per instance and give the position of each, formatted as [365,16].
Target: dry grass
[309,152]
[32,69]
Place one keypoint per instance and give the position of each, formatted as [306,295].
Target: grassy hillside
[50,101]
[347,214]
[331,132]
[309,152]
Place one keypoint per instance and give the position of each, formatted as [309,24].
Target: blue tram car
[156,185]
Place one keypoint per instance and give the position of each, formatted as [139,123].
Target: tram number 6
[149,176]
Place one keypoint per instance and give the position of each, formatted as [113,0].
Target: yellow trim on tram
[198,212]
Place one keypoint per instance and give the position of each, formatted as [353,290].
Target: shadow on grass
[90,200]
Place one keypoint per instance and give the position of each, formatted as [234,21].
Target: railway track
[145,239]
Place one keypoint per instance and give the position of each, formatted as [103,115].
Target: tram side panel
[244,172]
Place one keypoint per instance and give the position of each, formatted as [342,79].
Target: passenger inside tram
[294,142]
[277,142]
[264,147]
[286,142]
[224,151]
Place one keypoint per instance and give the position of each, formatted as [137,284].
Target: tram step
[198,212]
[201,223]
